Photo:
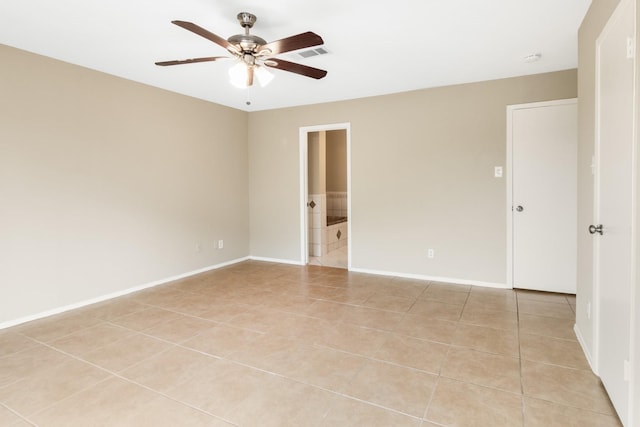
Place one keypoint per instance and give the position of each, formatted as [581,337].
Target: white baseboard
[433,278]
[59,310]
[275,260]
[585,349]
[65,308]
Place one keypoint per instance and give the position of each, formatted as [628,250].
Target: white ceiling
[376,47]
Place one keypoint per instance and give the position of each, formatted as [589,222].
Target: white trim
[585,349]
[304,171]
[632,412]
[634,357]
[117,294]
[509,164]
[432,278]
[595,302]
[276,260]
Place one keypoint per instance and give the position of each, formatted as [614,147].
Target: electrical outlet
[220,244]
[497,172]
[431,253]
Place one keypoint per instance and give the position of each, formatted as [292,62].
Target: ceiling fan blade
[206,34]
[296,42]
[281,64]
[190,61]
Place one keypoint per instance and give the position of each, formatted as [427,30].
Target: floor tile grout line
[522,395]
[121,377]
[72,395]
[16,413]
[334,392]
[519,335]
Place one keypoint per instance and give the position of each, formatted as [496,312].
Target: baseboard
[69,307]
[275,260]
[433,278]
[585,349]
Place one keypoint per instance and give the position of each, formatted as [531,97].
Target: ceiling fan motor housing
[248,43]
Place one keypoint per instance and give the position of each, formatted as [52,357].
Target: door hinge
[631,47]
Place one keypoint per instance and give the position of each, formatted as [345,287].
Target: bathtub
[331,220]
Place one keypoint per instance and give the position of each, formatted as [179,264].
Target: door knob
[593,229]
[519,208]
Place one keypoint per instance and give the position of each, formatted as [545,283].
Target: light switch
[497,172]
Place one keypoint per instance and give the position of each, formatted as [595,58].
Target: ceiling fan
[253,52]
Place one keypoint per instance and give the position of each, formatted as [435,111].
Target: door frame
[633,374]
[509,174]
[304,186]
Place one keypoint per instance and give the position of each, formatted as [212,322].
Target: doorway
[325,194]
[542,148]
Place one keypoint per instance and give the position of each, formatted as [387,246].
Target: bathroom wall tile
[316,236]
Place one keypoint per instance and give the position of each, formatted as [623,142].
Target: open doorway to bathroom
[325,185]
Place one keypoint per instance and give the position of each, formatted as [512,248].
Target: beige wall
[106,184]
[422,176]
[594,22]
[317,153]
[337,160]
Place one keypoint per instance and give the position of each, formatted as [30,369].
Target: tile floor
[259,344]
[337,258]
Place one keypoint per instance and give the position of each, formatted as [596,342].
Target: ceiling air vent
[313,52]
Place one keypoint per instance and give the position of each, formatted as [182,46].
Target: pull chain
[248,96]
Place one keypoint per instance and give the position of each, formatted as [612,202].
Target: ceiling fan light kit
[253,53]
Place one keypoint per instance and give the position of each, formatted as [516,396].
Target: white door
[543,149]
[614,151]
